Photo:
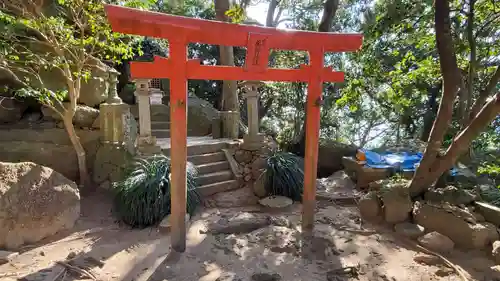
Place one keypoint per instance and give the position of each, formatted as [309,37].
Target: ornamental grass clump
[143,196]
[285,175]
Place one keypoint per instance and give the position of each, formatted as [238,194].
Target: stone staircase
[215,174]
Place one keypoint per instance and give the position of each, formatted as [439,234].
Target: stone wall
[49,147]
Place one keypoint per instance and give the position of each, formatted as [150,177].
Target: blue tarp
[400,161]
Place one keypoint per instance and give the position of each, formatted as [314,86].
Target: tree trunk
[430,114]
[273,4]
[329,10]
[80,151]
[229,89]
[449,69]
[463,141]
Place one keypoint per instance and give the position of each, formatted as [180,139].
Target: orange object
[180,31]
[360,155]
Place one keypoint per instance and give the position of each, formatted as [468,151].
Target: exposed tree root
[456,268]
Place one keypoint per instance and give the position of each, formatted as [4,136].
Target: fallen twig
[78,270]
[61,273]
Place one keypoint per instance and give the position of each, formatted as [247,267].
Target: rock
[494,272]
[242,222]
[276,202]
[447,221]
[495,252]
[483,234]
[370,206]
[445,271]
[397,202]
[428,259]
[235,198]
[437,242]
[35,202]
[49,147]
[6,256]
[266,277]
[243,156]
[337,180]
[97,123]
[109,165]
[94,91]
[490,212]
[450,194]
[84,116]
[165,224]
[330,157]
[11,109]
[259,186]
[410,230]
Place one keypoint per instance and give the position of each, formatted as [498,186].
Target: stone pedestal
[116,122]
[146,143]
[252,140]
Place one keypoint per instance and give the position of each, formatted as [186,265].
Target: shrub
[143,196]
[285,175]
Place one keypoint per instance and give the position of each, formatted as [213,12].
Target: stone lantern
[253,140]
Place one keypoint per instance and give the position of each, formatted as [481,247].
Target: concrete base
[253,142]
[146,150]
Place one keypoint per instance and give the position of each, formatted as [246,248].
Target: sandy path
[245,252]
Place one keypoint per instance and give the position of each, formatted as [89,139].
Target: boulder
[397,202]
[35,202]
[370,206]
[330,156]
[451,195]
[84,116]
[448,221]
[11,109]
[436,241]
[337,180]
[409,230]
[48,147]
[94,90]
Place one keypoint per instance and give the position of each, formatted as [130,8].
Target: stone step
[204,148]
[161,133]
[207,158]
[156,125]
[214,177]
[211,189]
[213,167]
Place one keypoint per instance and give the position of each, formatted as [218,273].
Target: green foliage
[236,14]
[285,175]
[66,37]
[143,196]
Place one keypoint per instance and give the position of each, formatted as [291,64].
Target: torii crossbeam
[180,31]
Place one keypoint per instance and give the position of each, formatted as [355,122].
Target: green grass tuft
[285,175]
[143,196]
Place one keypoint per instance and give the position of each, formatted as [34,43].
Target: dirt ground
[235,244]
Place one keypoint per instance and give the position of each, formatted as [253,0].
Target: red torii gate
[180,31]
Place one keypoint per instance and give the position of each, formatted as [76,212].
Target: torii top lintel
[258,40]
